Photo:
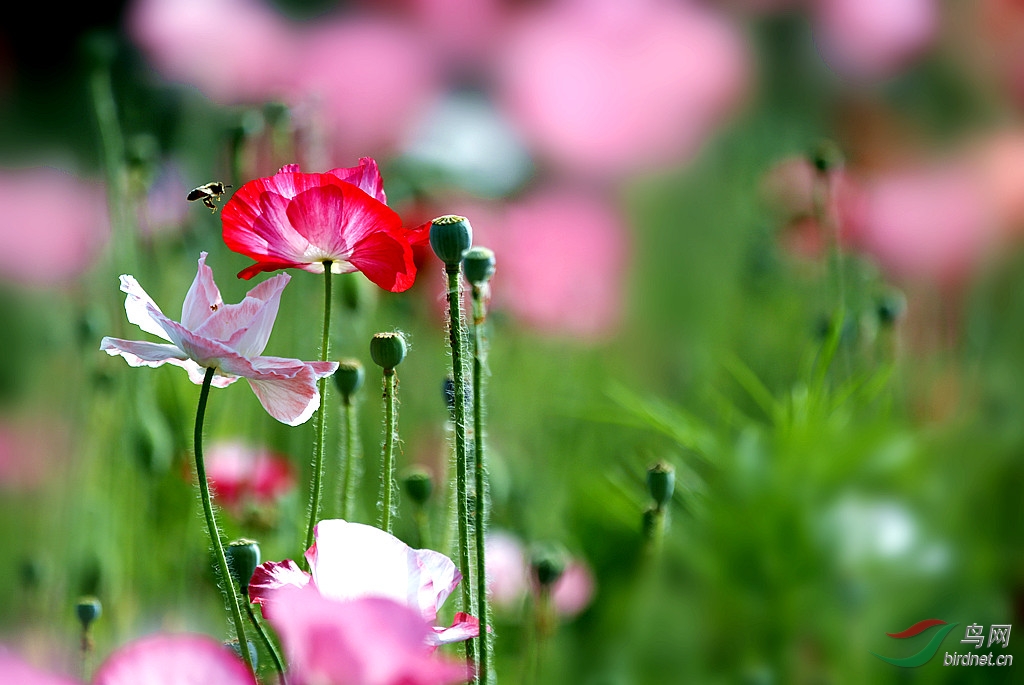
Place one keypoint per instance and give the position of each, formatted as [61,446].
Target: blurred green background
[844,416]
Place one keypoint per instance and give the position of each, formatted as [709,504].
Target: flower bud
[418,484]
[243,557]
[349,377]
[478,265]
[890,307]
[450,237]
[88,610]
[387,349]
[661,482]
[548,564]
[826,156]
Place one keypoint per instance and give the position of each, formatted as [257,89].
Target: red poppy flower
[305,221]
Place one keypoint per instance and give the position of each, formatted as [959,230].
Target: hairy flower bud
[88,610]
[478,265]
[387,349]
[243,557]
[349,377]
[450,237]
[418,484]
[661,482]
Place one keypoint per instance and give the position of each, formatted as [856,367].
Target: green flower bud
[387,349]
[349,377]
[478,265]
[88,610]
[890,307]
[661,481]
[243,557]
[418,484]
[826,156]
[548,564]
[450,237]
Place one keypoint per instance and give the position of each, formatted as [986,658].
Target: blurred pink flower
[352,560]
[234,51]
[873,39]
[929,223]
[366,641]
[227,337]
[163,212]
[31,450]
[463,33]
[241,475]
[367,79]
[507,573]
[161,659]
[562,257]
[605,87]
[509,582]
[53,225]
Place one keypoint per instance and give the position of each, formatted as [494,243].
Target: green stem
[211,523]
[462,497]
[387,473]
[350,474]
[320,420]
[479,314]
[268,643]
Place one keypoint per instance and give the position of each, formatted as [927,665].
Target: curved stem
[320,422]
[211,523]
[462,497]
[350,475]
[268,643]
[387,474]
[479,314]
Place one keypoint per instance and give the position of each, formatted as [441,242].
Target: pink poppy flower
[155,660]
[508,578]
[234,51]
[226,337]
[48,207]
[607,88]
[579,294]
[367,641]
[241,475]
[928,223]
[353,560]
[297,220]
[369,107]
[873,39]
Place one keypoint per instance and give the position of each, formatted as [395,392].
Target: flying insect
[208,193]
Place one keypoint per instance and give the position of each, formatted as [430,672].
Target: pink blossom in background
[507,574]
[562,257]
[241,475]
[234,51]
[353,561]
[366,79]
[873,39]
[509,582]
[366,641]
[573,592]
[930,223]
[31,450]
[603,87]
[227,337]
[161,659]
[44,206]
[463,33]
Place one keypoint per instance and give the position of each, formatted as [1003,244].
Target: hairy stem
[320,420]
[479,315]
[228,585]
[387,473]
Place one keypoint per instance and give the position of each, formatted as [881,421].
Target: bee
[208,193]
